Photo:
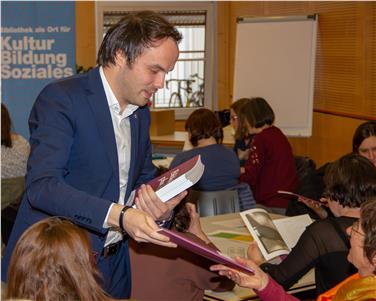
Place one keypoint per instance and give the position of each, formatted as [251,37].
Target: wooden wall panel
[370,25]
[344,62]
[85,33]
[223,76]
[332,138]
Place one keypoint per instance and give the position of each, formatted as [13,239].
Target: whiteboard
[275,59]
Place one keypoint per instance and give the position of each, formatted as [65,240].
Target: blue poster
[37,47]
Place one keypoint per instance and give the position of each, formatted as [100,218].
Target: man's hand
[139,225]
[142,228]
[148,201]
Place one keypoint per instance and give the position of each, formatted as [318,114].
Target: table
[177,139]
[164,163]
[232,223]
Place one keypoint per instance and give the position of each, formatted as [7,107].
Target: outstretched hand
[257,281]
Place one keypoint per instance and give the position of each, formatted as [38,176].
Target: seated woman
[364,141]
[14,149]
[242,138]
[349,182]
[53,260]
[270,166]
[362,255]
[160,273]
[221,164]
[14,154]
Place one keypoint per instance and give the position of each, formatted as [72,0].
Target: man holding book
[90,147]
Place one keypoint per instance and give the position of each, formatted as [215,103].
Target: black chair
[310,185]
[211,203]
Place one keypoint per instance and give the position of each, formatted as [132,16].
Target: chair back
[211,203]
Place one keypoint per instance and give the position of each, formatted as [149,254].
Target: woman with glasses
[349,182]
[358,287]
[242,140]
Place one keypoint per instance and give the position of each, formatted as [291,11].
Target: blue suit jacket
[73,166]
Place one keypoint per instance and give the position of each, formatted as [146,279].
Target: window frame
[210,39]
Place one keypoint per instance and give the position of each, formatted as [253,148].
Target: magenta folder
[204,251]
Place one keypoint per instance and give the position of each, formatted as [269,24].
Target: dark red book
[178,179]
[204,251]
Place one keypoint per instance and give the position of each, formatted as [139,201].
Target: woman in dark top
[324,245]
[221,164]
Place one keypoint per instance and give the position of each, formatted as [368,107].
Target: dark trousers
[116,273]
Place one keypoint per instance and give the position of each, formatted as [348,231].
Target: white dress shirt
[122,130]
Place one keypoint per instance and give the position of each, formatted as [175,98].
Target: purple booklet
[204,251]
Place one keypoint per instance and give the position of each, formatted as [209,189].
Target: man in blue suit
[90,148]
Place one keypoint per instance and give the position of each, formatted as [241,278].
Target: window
[189,85]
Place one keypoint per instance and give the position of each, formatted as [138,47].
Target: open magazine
[204,250]
[178,179]
[274,237]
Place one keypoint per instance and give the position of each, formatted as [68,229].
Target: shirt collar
[111,98]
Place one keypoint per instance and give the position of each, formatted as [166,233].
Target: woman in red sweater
[270,166]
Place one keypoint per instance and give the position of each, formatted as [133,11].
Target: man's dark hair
[351,180]
[203,124]
[132,34]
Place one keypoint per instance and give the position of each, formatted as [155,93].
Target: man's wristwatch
[166,223]
[121,218]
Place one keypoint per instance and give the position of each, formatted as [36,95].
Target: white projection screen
[275,59]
